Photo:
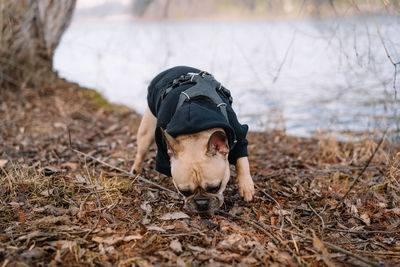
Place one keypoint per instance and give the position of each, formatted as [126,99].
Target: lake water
[297,75]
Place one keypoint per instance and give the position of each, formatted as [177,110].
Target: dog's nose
[203,204]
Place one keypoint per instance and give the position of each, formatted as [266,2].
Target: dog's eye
[215,189]
[186,193]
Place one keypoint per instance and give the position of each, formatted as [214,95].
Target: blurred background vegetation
[244,9]
[31,30]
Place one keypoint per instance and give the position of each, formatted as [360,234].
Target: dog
[198,136]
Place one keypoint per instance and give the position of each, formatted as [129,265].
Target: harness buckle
[221,104]
[192,74]
[187,96]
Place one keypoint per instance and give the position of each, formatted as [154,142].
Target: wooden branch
[188,233]
[360,232]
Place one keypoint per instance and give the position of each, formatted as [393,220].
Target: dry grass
[351,152]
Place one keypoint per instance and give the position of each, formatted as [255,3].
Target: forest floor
[60,207]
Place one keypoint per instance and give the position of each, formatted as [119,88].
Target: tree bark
[30,31]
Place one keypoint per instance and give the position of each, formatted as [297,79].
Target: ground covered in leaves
[62,207]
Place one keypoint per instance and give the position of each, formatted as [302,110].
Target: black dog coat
[192,116]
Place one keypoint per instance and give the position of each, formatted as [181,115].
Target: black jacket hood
[199,115]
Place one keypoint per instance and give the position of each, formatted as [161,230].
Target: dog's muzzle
[204,202]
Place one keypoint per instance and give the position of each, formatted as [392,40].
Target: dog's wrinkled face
[200,168]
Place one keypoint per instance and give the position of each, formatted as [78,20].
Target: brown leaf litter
[60,207]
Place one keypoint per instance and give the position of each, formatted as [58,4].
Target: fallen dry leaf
[3,163]
[132,237]
[284,257]
[47,192]
[156,228]
[63,243]
[174,216]
[106,249]
[80,179]
[226,257]
[32,254]
[230,241]
[320,247]
[354,209]
[30,236]
[146,207]
[166,254]
[114,239]
[71,165]
[228,226]
[395,211]
[50,170]
[48,220]
[250,260]
[365,218]
[176,246]
[196,248]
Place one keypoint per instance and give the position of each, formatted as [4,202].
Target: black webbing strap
[204,86]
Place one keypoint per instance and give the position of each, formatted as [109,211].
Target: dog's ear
[172,144]
[218,143]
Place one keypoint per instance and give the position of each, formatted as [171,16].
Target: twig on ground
[353,242]
[320,217]
[295,244]
[98,217]
[99,207]
[9,180]
[188,233]
[84,202]
[363,170]
[364,231]
[110,208]
[374,253]
[276,202]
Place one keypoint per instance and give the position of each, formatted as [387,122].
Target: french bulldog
[198,136]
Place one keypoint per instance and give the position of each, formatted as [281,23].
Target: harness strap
[206,86]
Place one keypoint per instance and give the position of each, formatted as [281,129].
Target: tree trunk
[30,31]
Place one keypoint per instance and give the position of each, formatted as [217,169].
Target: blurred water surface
[299,75]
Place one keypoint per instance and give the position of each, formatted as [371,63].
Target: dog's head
[200,167]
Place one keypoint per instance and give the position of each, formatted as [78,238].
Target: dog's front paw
[135,169]
[246,187]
